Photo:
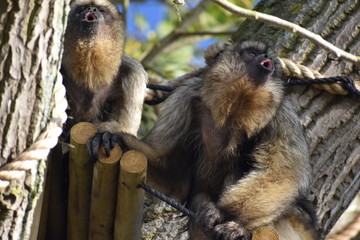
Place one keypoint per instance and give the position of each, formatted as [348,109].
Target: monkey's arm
[131,87]
[281,174]
[163,145]
[172,126]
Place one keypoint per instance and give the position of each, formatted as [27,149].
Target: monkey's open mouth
[267,64]
[90,17]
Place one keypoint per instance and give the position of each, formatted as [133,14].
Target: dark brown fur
[104,85]
[232,148]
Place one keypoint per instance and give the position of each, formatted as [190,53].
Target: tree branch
[205,33]
[169,39]
[288,26]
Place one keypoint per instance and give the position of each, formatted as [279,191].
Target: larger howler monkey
[104,86]
[231,147]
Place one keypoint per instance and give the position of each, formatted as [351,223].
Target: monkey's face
[259,66]
[88,18]
[243,80]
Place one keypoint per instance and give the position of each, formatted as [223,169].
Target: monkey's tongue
[267,64]
[90,16]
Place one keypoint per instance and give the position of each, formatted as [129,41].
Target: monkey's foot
[230,231]
[208,216]
[106,139]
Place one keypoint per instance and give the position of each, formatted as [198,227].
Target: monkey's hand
[209,216]
[106,139]
[231,231]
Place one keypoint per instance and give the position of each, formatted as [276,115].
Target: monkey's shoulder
[132,70]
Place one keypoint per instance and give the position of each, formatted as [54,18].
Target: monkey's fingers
[113,140]
[230,231]
[108,142]
[93,146]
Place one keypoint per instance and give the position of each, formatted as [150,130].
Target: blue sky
[154,11]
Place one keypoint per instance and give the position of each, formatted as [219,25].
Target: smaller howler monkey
[231,146]
[104,86]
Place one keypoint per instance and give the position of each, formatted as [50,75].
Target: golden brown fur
[104,85]
[232,148]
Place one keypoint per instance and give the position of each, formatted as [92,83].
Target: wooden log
[129,208]
[53,214]
[265,233]
[104,194]
[80,180]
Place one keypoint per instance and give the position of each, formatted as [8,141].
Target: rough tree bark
[331,122]
[31,33]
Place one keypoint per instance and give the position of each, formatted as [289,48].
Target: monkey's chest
[222,161]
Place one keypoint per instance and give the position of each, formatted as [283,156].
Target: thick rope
[157,100]
[40,149]
[349,232]
[168,200]
[347,83]
[295,70]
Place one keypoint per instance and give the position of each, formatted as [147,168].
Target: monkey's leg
[207,213]
[260,198]
[213,221]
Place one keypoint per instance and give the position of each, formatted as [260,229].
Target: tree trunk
[31,35]
[331,122]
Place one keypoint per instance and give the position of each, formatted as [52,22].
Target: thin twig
[125,4]
[169,39]
[288,26]
[205,33]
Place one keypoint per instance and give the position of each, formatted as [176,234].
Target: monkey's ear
[214,50]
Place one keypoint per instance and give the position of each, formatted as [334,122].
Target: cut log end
[265,233]
[115,155]
[133,162]
[82,132]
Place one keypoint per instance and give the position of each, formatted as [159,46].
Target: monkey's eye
[103,10]
[248,55]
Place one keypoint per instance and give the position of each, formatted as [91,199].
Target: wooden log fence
[104,201]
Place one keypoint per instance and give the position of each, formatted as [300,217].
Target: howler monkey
[104,86]
[231,146]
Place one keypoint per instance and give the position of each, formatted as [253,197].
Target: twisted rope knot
[295,70]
